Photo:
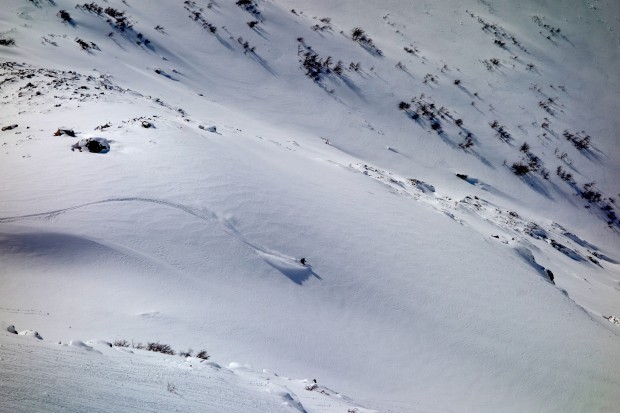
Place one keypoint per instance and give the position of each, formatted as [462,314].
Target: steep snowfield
[424,291]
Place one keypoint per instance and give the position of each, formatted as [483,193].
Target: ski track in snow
[463,211]
[285,264]
[184,208]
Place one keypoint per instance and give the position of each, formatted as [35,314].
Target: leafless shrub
[187,353]
[520,169]
[160,348]
[64,16]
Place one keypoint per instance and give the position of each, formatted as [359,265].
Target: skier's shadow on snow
[294,271]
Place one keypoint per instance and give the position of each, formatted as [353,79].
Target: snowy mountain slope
[426,293]
[512,88]
[94,376]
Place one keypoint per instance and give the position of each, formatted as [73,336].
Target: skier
[313,386]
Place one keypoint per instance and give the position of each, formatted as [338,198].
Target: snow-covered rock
[31,333]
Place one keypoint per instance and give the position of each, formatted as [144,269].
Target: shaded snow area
[413,203]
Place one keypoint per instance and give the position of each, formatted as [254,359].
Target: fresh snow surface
[94,376]
[424,291]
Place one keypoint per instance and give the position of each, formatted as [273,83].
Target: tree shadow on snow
[537,185]
[351,85]
[591,154]
[261,32]
[223,42]
[263,63]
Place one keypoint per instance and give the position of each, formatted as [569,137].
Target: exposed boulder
[550,275]
[94,145]
[64,131]
[8,327]
[208,128]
